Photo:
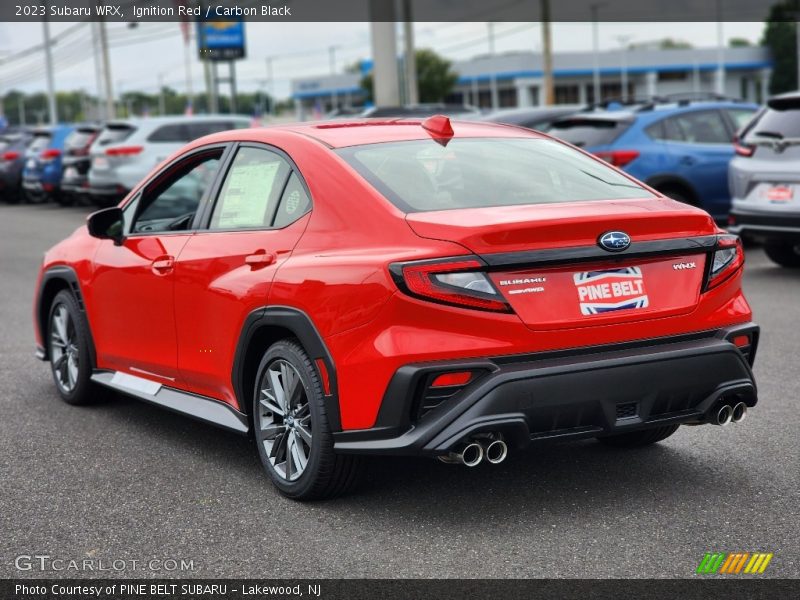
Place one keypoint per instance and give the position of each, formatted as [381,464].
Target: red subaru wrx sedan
[403,287]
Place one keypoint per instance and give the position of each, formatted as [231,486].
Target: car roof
[168,119]
[355,132]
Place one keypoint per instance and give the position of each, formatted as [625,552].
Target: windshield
[422,175]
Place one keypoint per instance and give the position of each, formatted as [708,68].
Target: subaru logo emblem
[614,241]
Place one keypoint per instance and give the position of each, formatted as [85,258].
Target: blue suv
[679,147]
[41,176]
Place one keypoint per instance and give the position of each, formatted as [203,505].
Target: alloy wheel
[285,420]
[64,352]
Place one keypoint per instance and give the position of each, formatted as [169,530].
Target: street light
[595,50]
[624,40]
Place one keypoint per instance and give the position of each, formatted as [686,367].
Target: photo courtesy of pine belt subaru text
[453,290]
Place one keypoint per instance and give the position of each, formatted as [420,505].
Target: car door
[701,148]
[225,270]
[132,290]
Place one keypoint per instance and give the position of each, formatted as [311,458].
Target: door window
[170,203]
[703,127]
[740,117]
[253,185]
[294,203]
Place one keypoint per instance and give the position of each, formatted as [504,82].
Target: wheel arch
[263,327]
[54,280]
[668,181]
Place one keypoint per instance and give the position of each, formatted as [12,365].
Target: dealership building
[516,79]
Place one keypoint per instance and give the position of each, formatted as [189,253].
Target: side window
[656,130]
[177,133]
[170,204]
[703,127]
[294,203]
[201,128]
[252,188]
[666,130]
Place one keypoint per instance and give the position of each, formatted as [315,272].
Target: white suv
[128,149]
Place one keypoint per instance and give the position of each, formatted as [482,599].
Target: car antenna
[439,128]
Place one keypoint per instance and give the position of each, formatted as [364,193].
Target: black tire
[63,199]
[82,391]
[325,474]
[785,255]
[634,439]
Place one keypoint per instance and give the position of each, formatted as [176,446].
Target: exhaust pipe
[469,455]
[739,412]
[724,415]
[496,452]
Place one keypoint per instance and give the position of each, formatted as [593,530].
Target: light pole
[595,51]
[493,77]
[52,109]
[624,40]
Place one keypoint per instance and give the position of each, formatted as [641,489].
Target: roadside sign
[221,40]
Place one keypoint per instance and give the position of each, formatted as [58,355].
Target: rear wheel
[68,349]
[785,255]
[639,438]
[291,428]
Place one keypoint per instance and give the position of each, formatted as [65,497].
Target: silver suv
[764,180]
[128,149]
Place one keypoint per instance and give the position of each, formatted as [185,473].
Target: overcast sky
[140,55]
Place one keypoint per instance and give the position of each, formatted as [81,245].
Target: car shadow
[563,478]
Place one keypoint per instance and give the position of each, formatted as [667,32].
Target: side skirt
[198,407]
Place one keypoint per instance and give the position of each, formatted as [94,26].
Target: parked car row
[95,163]
[736,160]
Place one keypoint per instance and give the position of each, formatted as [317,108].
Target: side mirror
[107,224]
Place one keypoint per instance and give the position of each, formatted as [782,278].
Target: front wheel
[785,255]
[291,427]
[635,439]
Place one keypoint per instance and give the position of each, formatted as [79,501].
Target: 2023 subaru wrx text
[405,287]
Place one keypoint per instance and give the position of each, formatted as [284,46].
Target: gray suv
[126,150]
[764,180]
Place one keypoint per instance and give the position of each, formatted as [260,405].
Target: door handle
[163,264]
[688,160]
[259,259]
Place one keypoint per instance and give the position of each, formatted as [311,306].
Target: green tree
[739,42]
[672,44]
[435,77]
[781,39]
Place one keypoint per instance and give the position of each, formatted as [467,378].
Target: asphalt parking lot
[128,481]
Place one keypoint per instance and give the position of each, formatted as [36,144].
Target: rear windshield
[40,142]
[113,134]
[422,175]
[776,124]
[79,139]
[186,132]
[588,132]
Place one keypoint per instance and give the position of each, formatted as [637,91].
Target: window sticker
[246,196]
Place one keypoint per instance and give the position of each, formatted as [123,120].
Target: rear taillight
[10,155]
[618,158]
[124,151]
[742,149]
[458,282]
[50,154]
[727,259]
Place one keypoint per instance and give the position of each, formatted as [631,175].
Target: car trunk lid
[554,274]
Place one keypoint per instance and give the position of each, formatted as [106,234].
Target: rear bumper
[765,225]
[596,391]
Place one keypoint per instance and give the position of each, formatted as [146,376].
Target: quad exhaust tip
[496,452]
[724,415]
[739,412]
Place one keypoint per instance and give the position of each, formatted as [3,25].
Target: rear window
[776,124]
[588,132]
[79,139]
[114,134]
[422,175]
[40,142]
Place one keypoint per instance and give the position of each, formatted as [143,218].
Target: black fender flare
[44,297]
[302,327]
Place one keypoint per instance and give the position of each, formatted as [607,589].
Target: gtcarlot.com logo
[734,563]
[45,562]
